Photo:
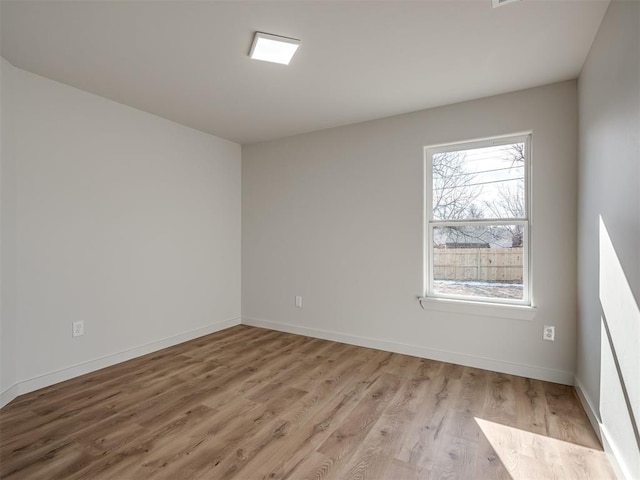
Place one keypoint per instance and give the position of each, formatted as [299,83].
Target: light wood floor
[248,403]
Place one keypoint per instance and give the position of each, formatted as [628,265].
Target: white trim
[9,394]
[481,142]
[500,3]
[483,309]
[587,405]
[530,371]
[429,223]
[621,470]
[73,371]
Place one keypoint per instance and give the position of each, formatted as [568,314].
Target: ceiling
[359,60]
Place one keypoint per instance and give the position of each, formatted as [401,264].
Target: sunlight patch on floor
[527,455]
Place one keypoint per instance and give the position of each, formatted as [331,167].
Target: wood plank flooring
[248,403]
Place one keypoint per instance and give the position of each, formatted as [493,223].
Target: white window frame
[430,223]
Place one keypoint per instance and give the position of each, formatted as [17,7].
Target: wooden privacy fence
[482,264]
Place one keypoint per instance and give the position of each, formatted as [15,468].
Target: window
[477,220]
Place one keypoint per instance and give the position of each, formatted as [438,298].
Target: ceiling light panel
[273,48]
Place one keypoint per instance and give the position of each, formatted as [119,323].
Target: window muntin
[477,220]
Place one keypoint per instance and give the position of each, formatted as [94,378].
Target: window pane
[485,182]
[479,261]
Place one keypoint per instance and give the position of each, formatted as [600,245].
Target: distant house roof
[467,245]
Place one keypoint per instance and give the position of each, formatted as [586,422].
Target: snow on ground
[478,289]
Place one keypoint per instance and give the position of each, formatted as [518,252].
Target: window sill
[501,310]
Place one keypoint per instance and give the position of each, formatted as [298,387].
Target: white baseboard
[609,446]
[41,381]
[621,471]
[9,394]
[588,407]
[540,373]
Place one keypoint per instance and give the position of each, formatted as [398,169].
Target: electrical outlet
[549,333]
[78,328]
[299,301]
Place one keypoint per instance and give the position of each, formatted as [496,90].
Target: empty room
[391,240]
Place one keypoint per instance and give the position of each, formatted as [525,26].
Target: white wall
[124,220]
[609,231]
[336,216]
[7,232]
